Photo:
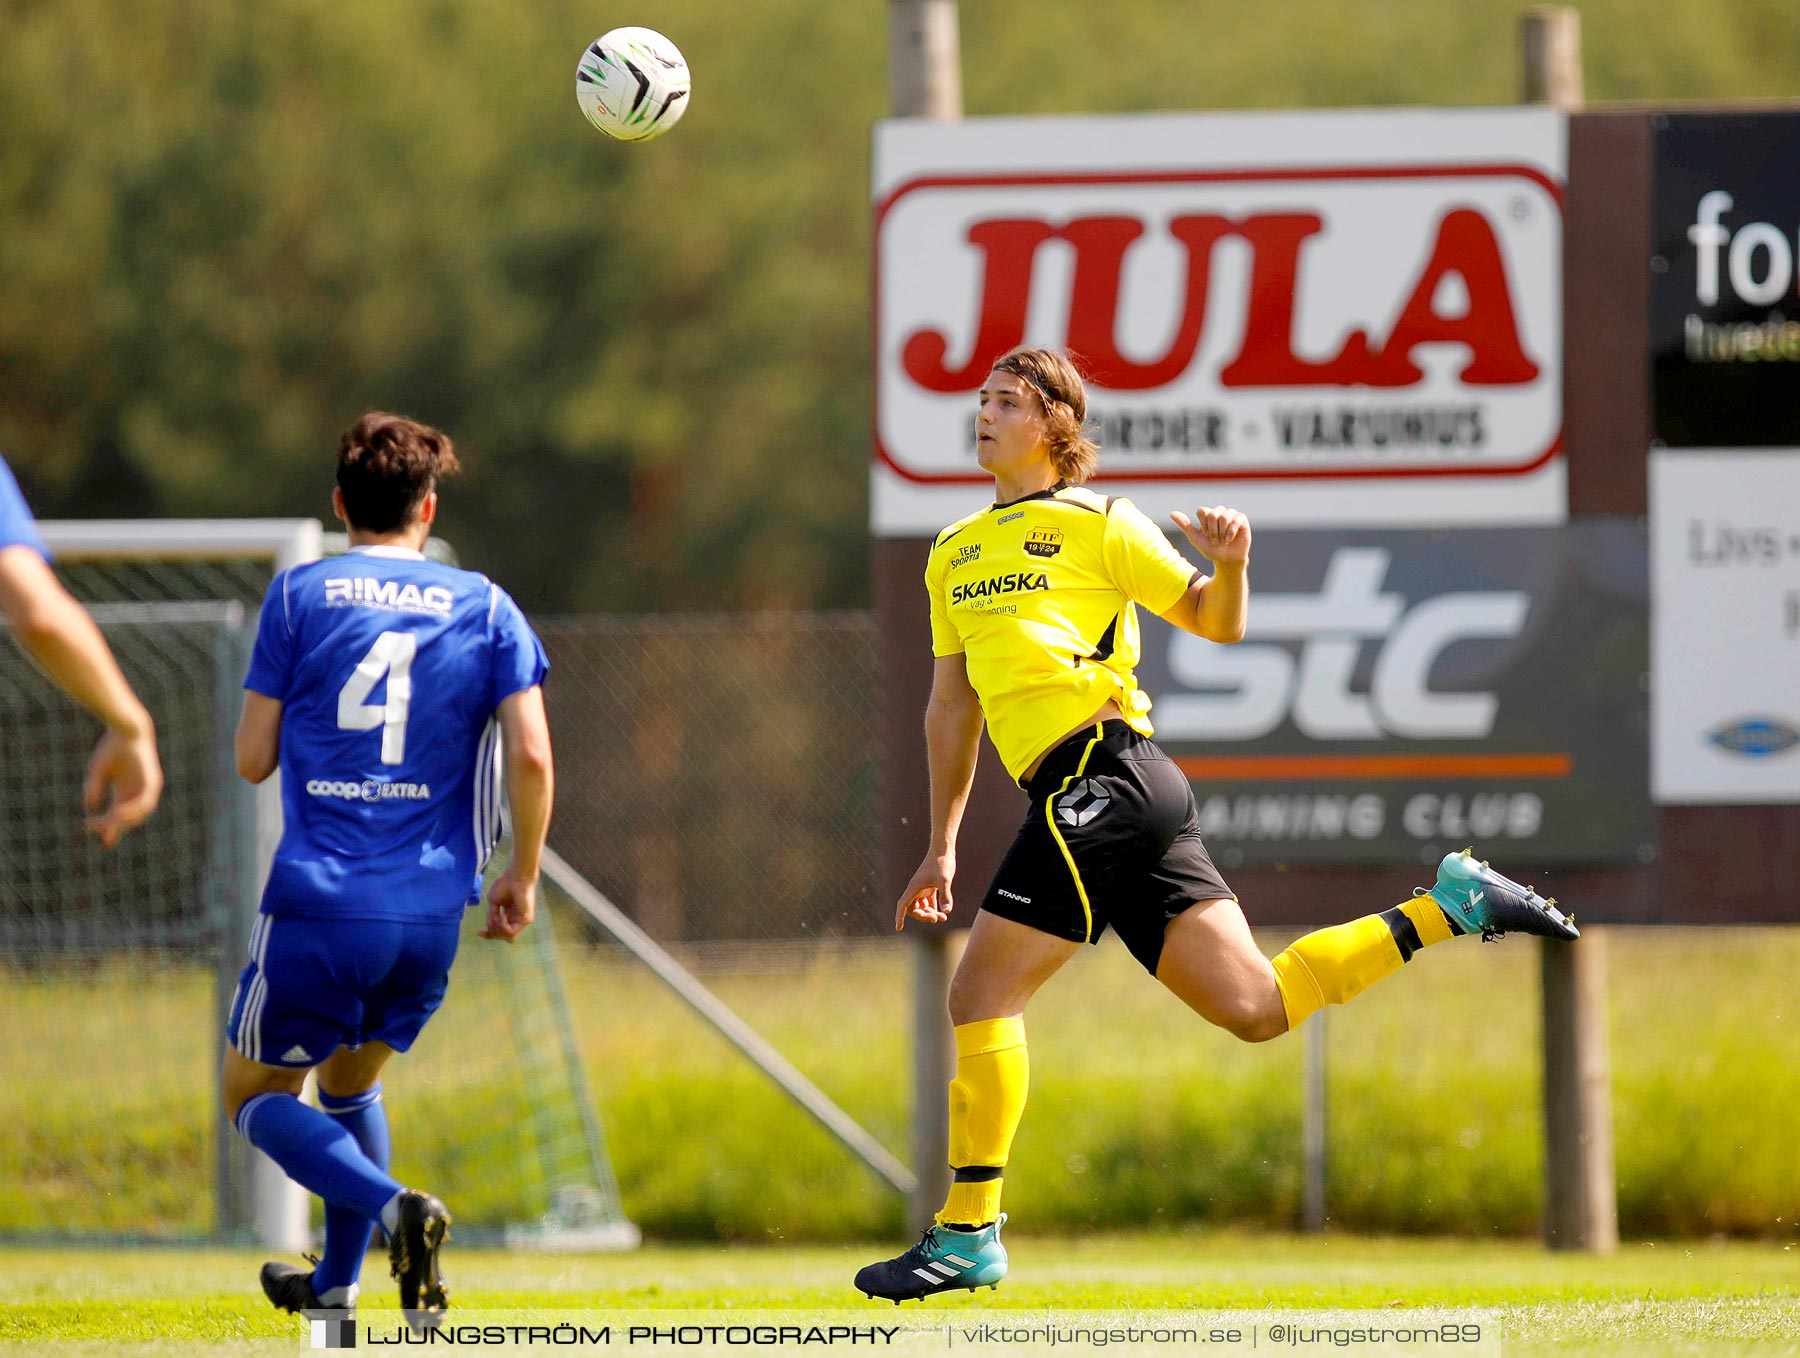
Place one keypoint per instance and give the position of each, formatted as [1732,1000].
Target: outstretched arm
[58,633]
[530,790]
[953,723]
[1216,607]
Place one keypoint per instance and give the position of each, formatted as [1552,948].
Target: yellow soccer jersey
[1038,596]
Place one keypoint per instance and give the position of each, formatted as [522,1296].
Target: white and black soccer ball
[632,84]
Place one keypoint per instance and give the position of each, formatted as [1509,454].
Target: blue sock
[347,1231]
[318,1154]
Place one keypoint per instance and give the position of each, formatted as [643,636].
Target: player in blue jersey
[390,691]
[58,633]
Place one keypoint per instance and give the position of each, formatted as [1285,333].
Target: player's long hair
[386,466]
[1058,384]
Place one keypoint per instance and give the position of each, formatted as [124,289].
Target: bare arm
[258,740]
[953,724]
[530,790]
[60,636]
[58,633]
[1216,607]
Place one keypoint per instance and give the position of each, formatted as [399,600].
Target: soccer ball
[632,83]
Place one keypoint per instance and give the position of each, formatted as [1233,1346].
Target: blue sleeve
[17,527]
[272,662]
[519,660]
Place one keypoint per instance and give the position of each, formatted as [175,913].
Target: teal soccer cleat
[1478,899]
[942,1261]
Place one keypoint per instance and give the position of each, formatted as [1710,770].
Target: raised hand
[1219,534]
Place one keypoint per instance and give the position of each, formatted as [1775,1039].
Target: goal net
[116,967]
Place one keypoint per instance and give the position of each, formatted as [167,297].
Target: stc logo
[1758,258]
[1250,689]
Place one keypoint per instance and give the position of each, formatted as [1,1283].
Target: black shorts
[1112,838]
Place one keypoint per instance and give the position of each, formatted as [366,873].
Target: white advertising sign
[1725,626]
[1321,318]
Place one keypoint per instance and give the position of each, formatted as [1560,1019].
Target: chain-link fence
[61,894]
[110,959]
[717,775]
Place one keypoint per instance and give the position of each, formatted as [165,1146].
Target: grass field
[1650,1299]
[1139,1113]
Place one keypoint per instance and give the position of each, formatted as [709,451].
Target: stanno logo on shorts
[369,790]
[1012,895]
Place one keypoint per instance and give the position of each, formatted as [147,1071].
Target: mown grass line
[1648,1300]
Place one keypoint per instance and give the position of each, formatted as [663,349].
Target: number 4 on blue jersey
[389,669]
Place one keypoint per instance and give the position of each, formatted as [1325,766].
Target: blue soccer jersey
[17,527]
[389,668]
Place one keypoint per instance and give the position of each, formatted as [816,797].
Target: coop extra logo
[367,790]
[1351,320]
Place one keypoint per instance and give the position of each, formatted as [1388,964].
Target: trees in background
[226,229]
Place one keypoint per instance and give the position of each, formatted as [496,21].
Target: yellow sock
[987,1099]
[973,1204]
[1337,964]
[1428,920]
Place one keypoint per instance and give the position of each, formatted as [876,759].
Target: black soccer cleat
[290,1289]
[942,1261]
[413,1256]
[1480,900]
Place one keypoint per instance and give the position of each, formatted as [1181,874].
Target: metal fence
[167,887]
[114,963]
[716,774]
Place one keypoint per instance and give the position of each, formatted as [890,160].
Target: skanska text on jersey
[973,591]
[361,591]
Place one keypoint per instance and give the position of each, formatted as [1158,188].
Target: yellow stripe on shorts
[1050,817]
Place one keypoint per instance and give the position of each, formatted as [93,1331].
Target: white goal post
[281,542]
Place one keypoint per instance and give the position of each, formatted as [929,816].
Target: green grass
[1140,1114]
[1720,1299]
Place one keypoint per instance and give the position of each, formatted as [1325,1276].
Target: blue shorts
[314,985]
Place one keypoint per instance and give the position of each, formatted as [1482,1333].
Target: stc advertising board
[1403,693]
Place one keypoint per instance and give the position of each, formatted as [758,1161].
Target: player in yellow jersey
[1034,629]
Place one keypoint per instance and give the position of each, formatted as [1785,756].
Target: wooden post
[1581,1209]
[1551,38]
[925,79]
[1581,1205]
[1314,1142]
[924,59]
[935,953]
